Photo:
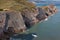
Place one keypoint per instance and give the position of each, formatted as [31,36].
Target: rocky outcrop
[12,22]
[29,18]
[41,15]
[50,9]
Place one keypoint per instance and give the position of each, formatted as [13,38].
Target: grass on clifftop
[17,5]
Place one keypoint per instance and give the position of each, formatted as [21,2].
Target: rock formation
[12,22]
[18,18]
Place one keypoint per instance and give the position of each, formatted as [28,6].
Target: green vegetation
[17,5]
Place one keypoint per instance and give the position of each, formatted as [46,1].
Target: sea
[47,30]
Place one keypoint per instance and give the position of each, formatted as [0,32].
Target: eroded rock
[11,22]
[15,22]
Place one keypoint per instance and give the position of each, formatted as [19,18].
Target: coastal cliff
[20,16]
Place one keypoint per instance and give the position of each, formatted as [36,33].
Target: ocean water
[47,30]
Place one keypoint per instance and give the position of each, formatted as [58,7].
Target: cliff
[20,16]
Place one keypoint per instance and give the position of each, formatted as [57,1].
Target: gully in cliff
[15,22]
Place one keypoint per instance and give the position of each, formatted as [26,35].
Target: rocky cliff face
[29,17]
[18,18]
[12,22]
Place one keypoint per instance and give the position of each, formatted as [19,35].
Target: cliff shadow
[27,22]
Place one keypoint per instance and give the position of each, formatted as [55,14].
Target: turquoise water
[47,30]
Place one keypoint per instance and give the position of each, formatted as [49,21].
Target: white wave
[46,19]
[34,35]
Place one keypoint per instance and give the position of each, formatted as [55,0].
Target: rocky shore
[12,22]
[18,16]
